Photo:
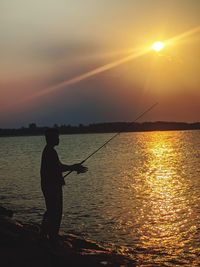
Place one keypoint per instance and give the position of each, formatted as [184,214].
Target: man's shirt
[51,174]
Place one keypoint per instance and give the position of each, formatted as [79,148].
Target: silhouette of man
[51,184]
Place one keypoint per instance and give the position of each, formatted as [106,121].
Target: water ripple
[140,195]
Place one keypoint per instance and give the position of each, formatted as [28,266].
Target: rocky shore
[20,246]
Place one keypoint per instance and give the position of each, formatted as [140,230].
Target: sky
[87,61]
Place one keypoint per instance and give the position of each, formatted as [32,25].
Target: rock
[20,245]
[5,212]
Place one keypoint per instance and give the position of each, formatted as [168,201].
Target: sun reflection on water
[164,226]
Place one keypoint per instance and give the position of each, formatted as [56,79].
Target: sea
[140,196]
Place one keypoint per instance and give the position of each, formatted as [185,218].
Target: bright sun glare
[157,46]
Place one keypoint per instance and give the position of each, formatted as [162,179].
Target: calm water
[141,192]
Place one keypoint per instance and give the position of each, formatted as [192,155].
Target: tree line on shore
[109,127]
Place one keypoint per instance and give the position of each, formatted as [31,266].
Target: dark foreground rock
[20,246]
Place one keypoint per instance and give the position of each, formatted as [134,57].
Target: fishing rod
[115,135]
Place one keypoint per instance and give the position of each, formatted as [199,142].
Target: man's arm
[75,167]
[65,167]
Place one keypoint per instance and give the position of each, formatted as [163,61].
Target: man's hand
[80,168]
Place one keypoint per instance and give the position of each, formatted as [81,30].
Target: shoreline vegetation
[109,127]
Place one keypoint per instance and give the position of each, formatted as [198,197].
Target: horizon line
[56,125]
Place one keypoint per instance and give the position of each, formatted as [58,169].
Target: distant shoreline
[109,127]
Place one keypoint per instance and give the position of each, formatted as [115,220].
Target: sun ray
[98,70]
[86,75]
[183,35]
[136,53]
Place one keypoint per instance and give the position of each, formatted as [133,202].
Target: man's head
[52,136]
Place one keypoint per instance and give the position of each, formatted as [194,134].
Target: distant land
[108,127]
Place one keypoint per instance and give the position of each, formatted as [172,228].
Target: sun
[157,46]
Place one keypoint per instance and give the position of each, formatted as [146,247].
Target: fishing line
[115,135]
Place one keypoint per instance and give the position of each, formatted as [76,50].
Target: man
[51,184]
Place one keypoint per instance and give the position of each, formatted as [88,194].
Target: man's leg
[44,226]
[59,211]
[54,214]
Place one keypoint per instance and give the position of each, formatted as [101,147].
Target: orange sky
[46,46]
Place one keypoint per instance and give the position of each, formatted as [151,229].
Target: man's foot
[43,238]
[57,246]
